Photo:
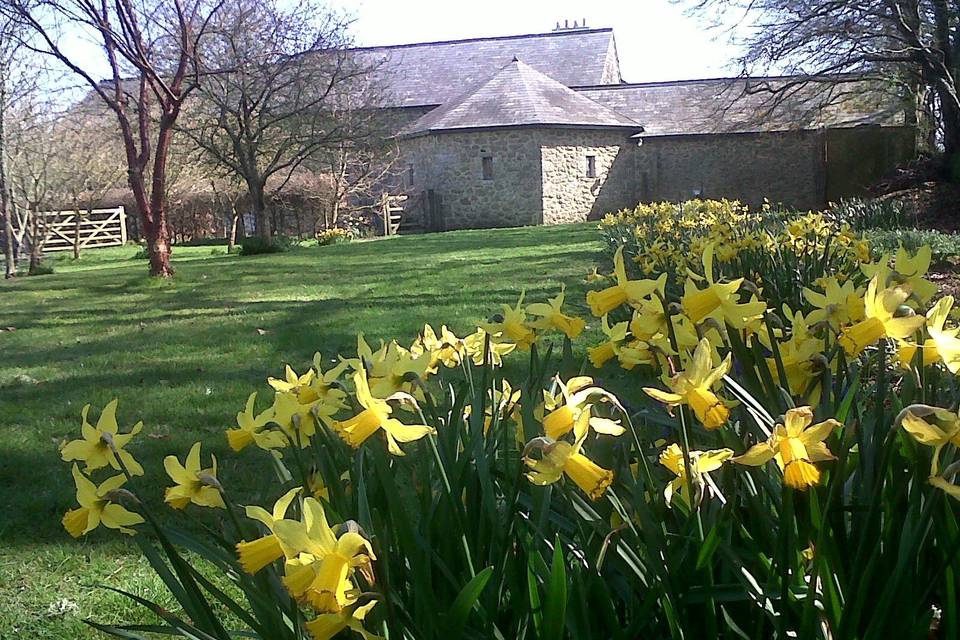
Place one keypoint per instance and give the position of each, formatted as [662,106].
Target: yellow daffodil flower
[374,417]
[192,482]
[718,300]
[907,271]
[257,554]
[476,342]
[795,446]
[570,411]
[624,291]
[885,317]
[694,387]
[513,325]
[299,385]
[321,572]
[701,464]
[838,305]
[447,349]
[251,429]
[98,506]
[97,446]
[942,345]
[796,355]
[551,316]
[562,458]
[327,625]
[931,426]
[600,354]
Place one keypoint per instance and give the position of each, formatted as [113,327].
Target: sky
[655,40]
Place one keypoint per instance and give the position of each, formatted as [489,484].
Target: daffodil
[694,387]
[327,625]
[570,410]
[907,271]
[375,417]
[512,323]
[942,345]
[551,316]
[616,334]
[931,426]
[717,300]
[561,458]
[838,305]
[482,344]
[256,554]
[795,446]
[797,355]
[98,506]
[251,429]
[322,570]
[101,445]
[624,291]
[886,316]
[192,483]
[701,464]
[298,385]
[446,349]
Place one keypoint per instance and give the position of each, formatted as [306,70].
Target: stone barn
[542,129]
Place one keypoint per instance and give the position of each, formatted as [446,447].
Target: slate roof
[734,105]
[433,73]
[519,95]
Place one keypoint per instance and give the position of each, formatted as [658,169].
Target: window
[486,165]
[409,175]
[591,166]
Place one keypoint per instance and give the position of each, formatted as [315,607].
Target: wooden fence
[99,228]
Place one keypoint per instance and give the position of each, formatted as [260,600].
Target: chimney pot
[566,24]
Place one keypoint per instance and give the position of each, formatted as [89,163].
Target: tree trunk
[5,205]
[234,222]
[258,203]
[76,233]
[36,246]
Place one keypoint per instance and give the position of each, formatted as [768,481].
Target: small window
[591,166]
[486,165]
[409,175]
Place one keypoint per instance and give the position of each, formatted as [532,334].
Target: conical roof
[519,96]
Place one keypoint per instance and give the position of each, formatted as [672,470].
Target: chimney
[566,24]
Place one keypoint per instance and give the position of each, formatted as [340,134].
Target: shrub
[862,215]
[790,472]
[945,247]
[141,254]
[255,245]
[333,236]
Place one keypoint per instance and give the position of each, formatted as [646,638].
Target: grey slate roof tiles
[725,106]
[519,95]
[433,73]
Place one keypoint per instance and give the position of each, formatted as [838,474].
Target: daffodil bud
[904,311]
[820,362]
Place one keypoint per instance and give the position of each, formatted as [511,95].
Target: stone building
[542,129]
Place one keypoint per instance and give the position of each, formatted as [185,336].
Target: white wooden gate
[99,228]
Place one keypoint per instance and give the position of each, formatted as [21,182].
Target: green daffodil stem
[449,491]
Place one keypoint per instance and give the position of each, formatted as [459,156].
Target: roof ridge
[522,36]
[670,83]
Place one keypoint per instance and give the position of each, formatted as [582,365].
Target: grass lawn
[183,356]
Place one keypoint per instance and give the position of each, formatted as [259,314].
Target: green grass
[183,355]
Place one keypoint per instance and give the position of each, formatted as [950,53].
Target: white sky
[655,40]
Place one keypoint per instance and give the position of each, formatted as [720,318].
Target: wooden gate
[99,228]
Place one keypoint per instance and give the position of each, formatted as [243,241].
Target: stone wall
[782,167]
[569,195]
[450,164]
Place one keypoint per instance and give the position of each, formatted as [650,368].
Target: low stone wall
[451,164]
[569,194]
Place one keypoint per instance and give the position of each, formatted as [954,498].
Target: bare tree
[18,80]
[152,49]
[911,46]
[90,166]
[358,171]
[268,104]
